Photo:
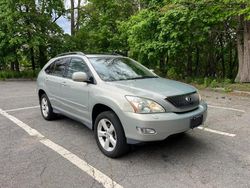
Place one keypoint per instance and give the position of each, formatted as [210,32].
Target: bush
[198,81]
[207,81]
[188,80]
[27,74]
[227,81]
[172,74]
[214,83]
[228,89]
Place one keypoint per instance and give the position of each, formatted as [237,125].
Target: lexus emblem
[188,99]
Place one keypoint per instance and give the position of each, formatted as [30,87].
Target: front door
[76,94]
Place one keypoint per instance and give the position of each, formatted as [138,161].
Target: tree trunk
[235,61]
[12,67]
[189,62]
[230,71]
[32,57]
[197,60]
[16,64]
[42,56]
[211,57]
[163,64]
[72,17]
[210,72]
[245,77]
[222,56]
[243,47]
[78,15]
[138,2]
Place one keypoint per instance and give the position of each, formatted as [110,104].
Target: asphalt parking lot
[63,153]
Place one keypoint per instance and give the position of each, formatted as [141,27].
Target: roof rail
[70,53]
[119,53]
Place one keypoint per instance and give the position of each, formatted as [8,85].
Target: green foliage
[172,74]
[188,79]
[214,84]
[196,38]
[28,31]
[99,26]
[192,40]
[207,81]
[228,81]
[198,81]
[27,74]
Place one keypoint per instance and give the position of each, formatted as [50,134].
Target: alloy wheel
[45,107]
[106,135]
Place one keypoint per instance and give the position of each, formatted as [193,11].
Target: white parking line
[25,108]
[226,108]
[217,132]
[201,128]
[74,159]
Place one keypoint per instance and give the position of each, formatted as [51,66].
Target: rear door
[54,81]
[76,94]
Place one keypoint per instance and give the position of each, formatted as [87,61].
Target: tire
[46,108]
[110,140]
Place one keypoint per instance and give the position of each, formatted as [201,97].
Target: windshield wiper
[137,78]
[143,77]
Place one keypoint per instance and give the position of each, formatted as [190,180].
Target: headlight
[144,106]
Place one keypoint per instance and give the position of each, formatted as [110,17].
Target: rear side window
[57,68]
[76,65]
[50,68]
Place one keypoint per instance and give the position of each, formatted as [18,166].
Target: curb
[237,92]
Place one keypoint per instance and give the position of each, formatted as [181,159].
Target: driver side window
[76,65]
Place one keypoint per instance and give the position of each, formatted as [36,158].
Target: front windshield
[119,68]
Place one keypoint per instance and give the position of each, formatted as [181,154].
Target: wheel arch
[40,93]
[99,108]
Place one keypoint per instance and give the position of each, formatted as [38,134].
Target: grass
[240,87]
[26,74]
[226,85]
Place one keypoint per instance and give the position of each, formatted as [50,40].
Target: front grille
[190,100]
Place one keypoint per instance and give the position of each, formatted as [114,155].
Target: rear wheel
[109,135]
[46,108]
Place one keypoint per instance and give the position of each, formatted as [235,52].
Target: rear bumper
[165,124]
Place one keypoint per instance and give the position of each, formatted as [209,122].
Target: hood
[153,86]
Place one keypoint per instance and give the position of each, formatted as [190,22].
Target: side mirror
[80,77]
[152,70]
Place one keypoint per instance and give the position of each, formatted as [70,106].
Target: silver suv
[122,101]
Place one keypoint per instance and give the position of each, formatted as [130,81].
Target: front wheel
[109,135]
[46,108]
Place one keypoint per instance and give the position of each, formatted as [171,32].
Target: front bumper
[165,124]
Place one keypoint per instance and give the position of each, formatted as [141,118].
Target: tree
[243,42]
[72,17]
[28,31]
[181,38]
[98,28]
[193,38]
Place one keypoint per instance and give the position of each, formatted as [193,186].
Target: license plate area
[196,121]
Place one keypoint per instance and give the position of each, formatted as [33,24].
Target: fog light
[145,130]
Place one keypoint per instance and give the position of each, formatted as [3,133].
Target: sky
[63,22]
